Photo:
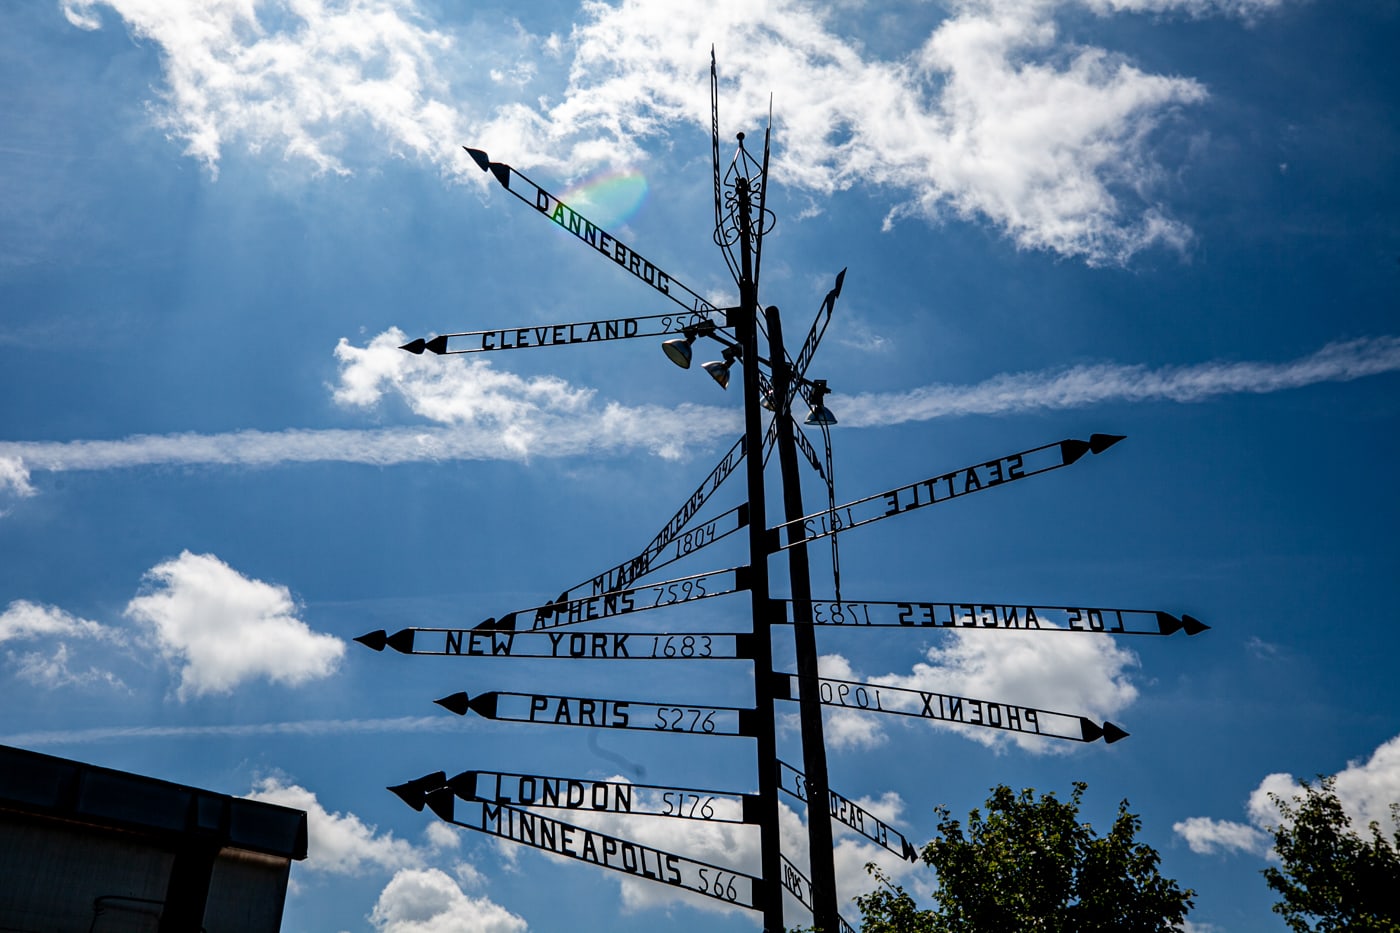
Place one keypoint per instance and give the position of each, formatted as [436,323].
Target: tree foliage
[1332,878]
[1029,864]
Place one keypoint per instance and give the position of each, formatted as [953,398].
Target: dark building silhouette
[93,850]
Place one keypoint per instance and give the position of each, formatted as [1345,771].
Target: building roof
[42,785]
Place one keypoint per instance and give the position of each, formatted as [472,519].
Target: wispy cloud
[306,727]
[487,415]
[1082,386]
[994,115]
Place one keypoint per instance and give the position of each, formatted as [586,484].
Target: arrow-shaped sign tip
[412,792]
[1071,450]
[479,156]
[506,623]
[502,173]
[401,641]
[1193,625]
[1098,443]
[464,785]
[1089,729]
[415,346]
[1112,733]
[485,624]
[409,794]
[438,344]
[375,640]
[1168,624]
[457,703]
[441,802]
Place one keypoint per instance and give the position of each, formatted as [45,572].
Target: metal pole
[820,845]
[745,324]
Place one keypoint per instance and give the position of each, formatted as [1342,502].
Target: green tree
[1331,878]
[1029,864]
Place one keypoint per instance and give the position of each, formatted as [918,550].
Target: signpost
[503,803]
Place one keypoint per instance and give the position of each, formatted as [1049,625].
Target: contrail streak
[309,727]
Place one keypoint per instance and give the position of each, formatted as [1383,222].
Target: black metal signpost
[503,804]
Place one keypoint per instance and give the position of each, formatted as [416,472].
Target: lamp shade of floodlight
[718,371]
[678,350]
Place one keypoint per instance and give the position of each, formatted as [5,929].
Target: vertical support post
[746,329]
[819,838]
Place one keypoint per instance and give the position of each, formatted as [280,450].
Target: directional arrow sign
[660,554]
[946,486]
[603,713]
[852,814]
[556,335]
[560,793]
[566,611]
[801,888]
[590,233]
[999,615]
[603,850]
[610,646]
[943,707]
[492,637]
[630,570]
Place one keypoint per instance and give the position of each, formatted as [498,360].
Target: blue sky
[1168,219]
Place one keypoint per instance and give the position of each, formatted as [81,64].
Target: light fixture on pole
[719,371]
[677,349]
[820,414]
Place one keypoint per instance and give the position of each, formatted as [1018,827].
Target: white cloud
[53,670]
[995,116]
[338,843]
[52,666]
[25,620]
[301,77]
[1205,835]
[14,477]
[1367,791]
[223,628]
[542,430]
[1077,676]
[429,901]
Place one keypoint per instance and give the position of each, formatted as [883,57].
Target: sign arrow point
[485,624]
[1168,624]
[1089,728]
[438,344]
[412,792]
[464,785]
[1098,443]
[502,173]
[1193,625]
[457,703]
[506,623]
[479,156]
[1112,733]
[415,346]
[483,704]
[375,640]
[441,802]
[401,641]
[1071,450]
